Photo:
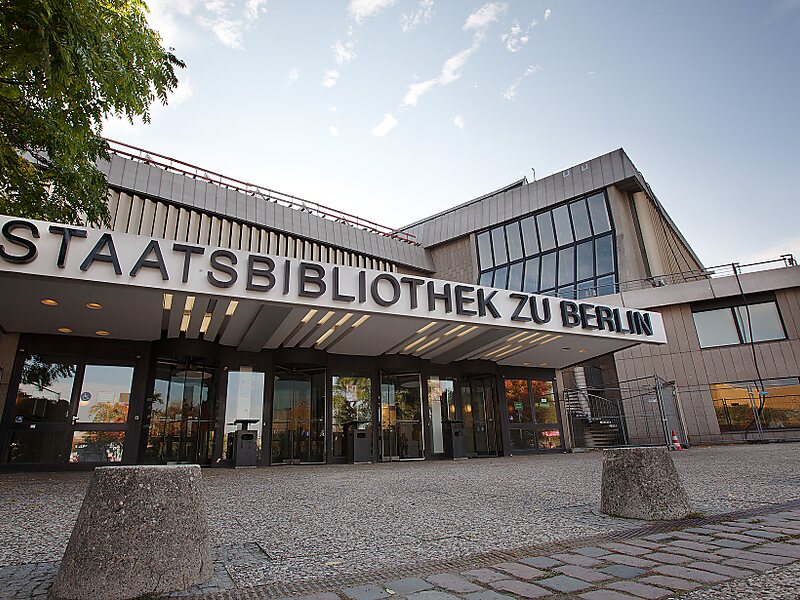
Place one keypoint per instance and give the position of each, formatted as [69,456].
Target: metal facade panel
[607,170]
[142,175]
[618,169]
[569,183]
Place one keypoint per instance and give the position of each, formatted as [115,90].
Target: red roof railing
[257,191]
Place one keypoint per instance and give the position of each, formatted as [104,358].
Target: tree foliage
[65,65]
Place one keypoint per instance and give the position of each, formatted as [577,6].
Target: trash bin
[243,444]
[454,447]
[359,441]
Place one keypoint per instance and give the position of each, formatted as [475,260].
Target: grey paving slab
[693,537]
[667,558]
[484,575]
[673,583]
[524,589]
[622,571]
[703,530]
[605,595]
[366,592]
[740,537]
[409,585]
[488,595]
[631,561]
[432,595]
[692,546]
[625,548]
[748,564]
[763,534]
[543,562]
[686,573]
[590,575]
[577,559]
[694,554]
[759,556]
[518,570]
[720,569]
[642,590]
[592,551]
[454,583]
[775,585]
[787,550]
[564,583]
[644,543]
[726,543]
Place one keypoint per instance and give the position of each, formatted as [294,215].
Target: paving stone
[667,558]
[622,571]
[702,530]
[725,543]
[605,595]
[320,596]
[721,569]
[631,561]
[658,537]
[694,553]
[625,548]
[685,573]
[764,534]
[748,564]
[692,537]
[590,575]
[673,583]
[759,556]
[592,551]
[779,550]
[740,537]
[519,571]
[520,588]
[488,595]
[563,583]
[692,545]
[454,583]
[366,592]
[639,589]
[484,575]
[725,528]
[543,562]
[432,595]
[409,585]
[578,559]
[644,543]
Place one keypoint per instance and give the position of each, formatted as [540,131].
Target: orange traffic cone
[676,445]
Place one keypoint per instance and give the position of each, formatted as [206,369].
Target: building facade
[209,304]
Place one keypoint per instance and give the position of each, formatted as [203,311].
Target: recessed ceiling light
[581,350]
[49,302]
[94,305]
[64,330]
[102,332]
[542,364]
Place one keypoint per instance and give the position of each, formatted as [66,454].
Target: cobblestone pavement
[290,530]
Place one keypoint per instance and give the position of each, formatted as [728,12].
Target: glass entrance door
[477,405]
[180,414]
[401,418]
[298,417]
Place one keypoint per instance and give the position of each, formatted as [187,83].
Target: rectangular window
[515,277]
[548,276]
[585,289]
[519,401]
[97,446]
[484,250]
[500,278]
[580,220]
[737,403]
[499,246]
[544,224]
[529,236]
[606,286]
[585,260]
[351,400]
[563,226]
[766,322]
[716,328]
[566,265]
[728,326]
[604,255]
[244,399]
[531,275]
[599,212]
[105,394]
[514,241]
[45,391]
[486,278]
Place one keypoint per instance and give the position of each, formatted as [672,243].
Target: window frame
[732,309]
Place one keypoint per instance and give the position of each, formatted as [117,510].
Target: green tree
[65,65]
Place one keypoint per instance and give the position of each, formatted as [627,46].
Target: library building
[221,323]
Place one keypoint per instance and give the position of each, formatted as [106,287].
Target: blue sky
[397,109]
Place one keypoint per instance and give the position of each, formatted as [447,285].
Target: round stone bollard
[642,483]
[140,530]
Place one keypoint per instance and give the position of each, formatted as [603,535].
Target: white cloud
[252,9]
[291,77]
[329,80]
[516,38]
[343,53]
[787,245]
[385,126]
[332,109]
[415,90]
[227,31]
[361,9]
[217,7]
[511,92]
[422,14]
[334,131]
[547,14]
[485,15]
[458,121]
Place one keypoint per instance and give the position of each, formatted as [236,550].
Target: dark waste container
[243,444]
[359,441]
[454,447]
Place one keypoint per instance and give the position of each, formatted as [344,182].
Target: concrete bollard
[140,530]
[642,483]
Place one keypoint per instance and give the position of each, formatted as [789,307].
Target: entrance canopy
[88,282]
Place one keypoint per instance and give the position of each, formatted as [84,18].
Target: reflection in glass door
[181,414]
[477,399]
[401,417]
[298,417]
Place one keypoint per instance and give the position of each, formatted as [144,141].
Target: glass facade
[566,251]
[731,325]
[738,404]
[351,407]
[532,415]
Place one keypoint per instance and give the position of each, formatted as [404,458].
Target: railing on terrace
[726,270]
[257,191]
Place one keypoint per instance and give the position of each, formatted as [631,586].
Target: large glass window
[352,402]
[45,391]
[730,325]
[105,394]
[532,415]
[776,403]
[567,251]
[244,400]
